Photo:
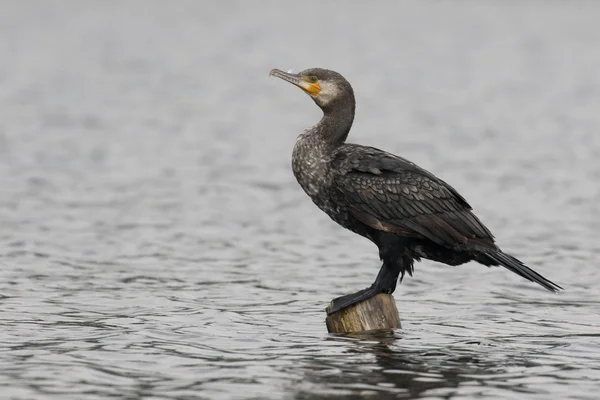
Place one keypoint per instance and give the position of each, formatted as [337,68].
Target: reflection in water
[376,363]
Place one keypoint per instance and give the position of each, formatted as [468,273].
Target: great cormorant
[405,210]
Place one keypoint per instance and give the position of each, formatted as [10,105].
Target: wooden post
[378,312]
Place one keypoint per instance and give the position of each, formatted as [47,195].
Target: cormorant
[405,210]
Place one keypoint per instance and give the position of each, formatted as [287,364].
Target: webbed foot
[350,299]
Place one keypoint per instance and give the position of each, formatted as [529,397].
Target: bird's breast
[310,164]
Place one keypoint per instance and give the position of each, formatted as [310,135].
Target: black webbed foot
[346,301]
[384,283]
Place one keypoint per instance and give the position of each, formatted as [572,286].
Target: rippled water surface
[154,243]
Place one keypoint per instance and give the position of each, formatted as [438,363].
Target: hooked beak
[311,88]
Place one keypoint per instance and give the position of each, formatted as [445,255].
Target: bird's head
[327,88]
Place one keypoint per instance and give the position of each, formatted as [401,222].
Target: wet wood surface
[379,312]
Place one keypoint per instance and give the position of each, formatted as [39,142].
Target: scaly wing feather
[392,194]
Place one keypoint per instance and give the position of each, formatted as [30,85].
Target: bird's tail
[511,263]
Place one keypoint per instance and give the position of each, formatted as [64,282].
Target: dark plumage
[405,210]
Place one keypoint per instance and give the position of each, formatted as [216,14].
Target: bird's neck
[335,125]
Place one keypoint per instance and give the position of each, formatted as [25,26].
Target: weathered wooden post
[378,312]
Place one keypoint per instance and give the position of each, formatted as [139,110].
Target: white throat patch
[329,91]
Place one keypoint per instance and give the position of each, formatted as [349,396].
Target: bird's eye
[313,79]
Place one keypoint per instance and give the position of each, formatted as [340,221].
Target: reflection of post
[378,312]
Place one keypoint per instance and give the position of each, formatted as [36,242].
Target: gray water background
[154,243]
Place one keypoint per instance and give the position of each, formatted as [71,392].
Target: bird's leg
[384,283]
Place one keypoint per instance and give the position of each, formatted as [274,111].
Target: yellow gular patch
[312,88]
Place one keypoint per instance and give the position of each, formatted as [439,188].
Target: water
[154,243]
